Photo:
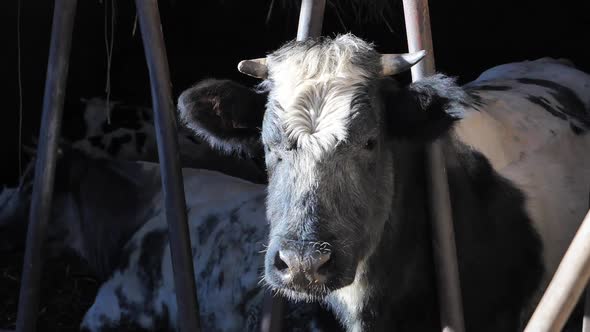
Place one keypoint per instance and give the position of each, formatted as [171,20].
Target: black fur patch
[425,109]
[543,102]
[206,228]
[192,139]
[150,259]
[74,125]
[476,102]
[577,130]
[493,233]
[116,144]
[140,139]
[226,110]
[96,141]
[125,256]
[570,104]
[493,87]
[123,116]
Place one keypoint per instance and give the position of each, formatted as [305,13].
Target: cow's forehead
[313,85]
[344,57]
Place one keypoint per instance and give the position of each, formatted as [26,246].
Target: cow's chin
[311,293]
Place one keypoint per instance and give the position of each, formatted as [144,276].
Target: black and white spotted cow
[347,194]
[126,132]
[110,213]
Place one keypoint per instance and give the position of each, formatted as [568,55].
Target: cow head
[329,128]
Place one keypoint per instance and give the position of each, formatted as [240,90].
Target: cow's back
[228,229]
[532,121]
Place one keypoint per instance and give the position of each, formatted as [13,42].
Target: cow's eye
[370,144]
[269,150]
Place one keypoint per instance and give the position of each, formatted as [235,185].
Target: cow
[347,197]
[124,131]
[110,213]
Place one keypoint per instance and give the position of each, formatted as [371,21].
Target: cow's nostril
[321,263]
[280,265]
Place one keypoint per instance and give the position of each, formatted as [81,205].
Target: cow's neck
[400,293]
[493,233]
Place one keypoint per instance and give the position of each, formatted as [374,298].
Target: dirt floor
[67,291]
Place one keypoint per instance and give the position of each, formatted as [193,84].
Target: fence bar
[272,313]
[311,18]
[167,139]
[53,100]
[567,285]
[419,36]
[586,319]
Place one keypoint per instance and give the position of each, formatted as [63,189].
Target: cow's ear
[423,110]
[226,114]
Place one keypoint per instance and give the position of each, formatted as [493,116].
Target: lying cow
[347,196]
[126,132]
[111,214]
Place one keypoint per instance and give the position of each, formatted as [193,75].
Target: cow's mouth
[306,278]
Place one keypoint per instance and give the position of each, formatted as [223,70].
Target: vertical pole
[586,319]
[272,313]
[311,18]
[567,285]
[419,34]
[53,100]
[167,139]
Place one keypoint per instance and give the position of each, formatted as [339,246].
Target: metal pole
[419,35]
[53,100]
[172,183]
[567,285]
[311,18]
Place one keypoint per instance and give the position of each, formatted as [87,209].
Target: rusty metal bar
[419,36]
[53,100]
[172,182]
[567,285]
[311,18]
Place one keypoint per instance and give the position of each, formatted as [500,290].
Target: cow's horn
[255,68]
[392,64]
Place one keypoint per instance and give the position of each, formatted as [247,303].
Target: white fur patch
[227,229]
[534,149]
[318,120]
[348,302]
[314,87]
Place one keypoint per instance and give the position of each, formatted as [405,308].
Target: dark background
[208,38]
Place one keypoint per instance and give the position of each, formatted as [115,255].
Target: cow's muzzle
[301,265]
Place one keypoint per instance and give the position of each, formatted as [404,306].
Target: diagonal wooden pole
[586,319]
[60,45]
[419,36]
[567,285]
[172,182]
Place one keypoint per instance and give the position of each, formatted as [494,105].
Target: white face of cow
[328,130]
[328,163]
